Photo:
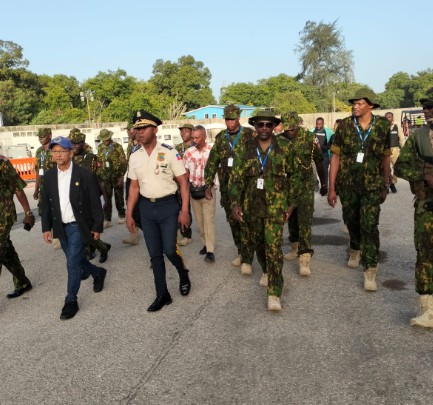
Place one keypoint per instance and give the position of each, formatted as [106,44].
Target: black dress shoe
[185,284]
[85,276]
[210,257]
[69,310]
[21,291]
[103,256]
[160,302]
[393,188]
[98,282]
[203,251]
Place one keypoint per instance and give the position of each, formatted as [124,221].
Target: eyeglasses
[427,106]
[58,152]
[265,124]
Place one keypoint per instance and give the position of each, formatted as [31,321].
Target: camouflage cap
[428,97]
[43,132]
[231,112]
[264,115]
[366,94]
[76,136]
[105,135]
[291,120]
[189,126]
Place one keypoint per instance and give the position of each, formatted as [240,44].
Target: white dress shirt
[64,184]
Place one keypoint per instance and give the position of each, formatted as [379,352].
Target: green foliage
[292,101]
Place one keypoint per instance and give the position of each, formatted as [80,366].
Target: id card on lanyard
[232,145]
[260,180]
[360,155]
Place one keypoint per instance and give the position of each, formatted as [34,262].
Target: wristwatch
[29,214]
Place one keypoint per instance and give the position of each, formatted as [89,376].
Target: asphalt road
[333,343]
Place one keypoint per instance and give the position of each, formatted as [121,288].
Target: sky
[239,41]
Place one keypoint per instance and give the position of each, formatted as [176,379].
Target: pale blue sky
[239,41]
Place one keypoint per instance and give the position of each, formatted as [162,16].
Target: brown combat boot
[293,254]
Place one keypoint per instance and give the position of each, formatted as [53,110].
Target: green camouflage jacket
[281,182]
[10,183]
[180,147]
[412,167]
[368,175]
[219,155]
[44,159]
[114,156]
[132,147]
[86,159]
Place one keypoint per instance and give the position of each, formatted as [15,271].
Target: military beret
[232,112]
[143,119]
[43,132]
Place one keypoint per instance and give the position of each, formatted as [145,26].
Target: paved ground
[333,343]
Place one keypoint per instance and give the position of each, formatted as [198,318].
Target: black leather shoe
[85,276]
[203,251]
[21,291]
[185,284]
[160,302]
[69,310]
[103,256]
[98,282]
[210,257]
[393,188]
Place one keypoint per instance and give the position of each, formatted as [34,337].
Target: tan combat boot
[107,224]
[274,303]
[425,319]
[246,268]
[293,254]
[370,279]
[237,262]
[121,220]
[304,264]
[184,242]
[56,244]
[355,256]
[133,238]
[263,280]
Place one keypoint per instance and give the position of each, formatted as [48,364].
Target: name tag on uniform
[260,184]
[230,162]
[360,157]
[41,172]
[107,164]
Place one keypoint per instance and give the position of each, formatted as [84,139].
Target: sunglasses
[265,124]
[427,106]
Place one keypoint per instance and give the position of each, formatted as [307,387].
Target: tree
[187,81]
[292,101]
[325,63]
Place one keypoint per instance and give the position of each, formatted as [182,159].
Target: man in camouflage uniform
[360,164]
[11,184]
[111,169]
[305,151]
[415,164]
[263,189]
[86,158]
[185,133]
[221,160]
[133,146]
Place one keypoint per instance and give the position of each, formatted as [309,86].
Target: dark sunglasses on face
[265,124]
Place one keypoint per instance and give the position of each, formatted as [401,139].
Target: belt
[69,223]
[155,200]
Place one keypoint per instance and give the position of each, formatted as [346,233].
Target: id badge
[360,157]
[230,162]
[260,184]
[41,172]
[107,164]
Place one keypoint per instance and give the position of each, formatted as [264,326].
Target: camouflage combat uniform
[415,160]
[10,183]
[218,164]
[133,146]
[264,210]
[186,232]
[303,152]
[113,156]
[360,184]
[44,162]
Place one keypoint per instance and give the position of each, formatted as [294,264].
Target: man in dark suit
[72,212]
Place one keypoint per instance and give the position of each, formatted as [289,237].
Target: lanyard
[367,133]
[43,155]
[232,145]
[107,151]
[263,161]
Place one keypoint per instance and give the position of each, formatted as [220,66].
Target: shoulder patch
[167,146]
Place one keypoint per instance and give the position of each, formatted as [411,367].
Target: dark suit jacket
[85,200]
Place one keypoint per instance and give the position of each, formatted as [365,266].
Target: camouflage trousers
[423,232]
[265,237]
[99,245]
[235,226]
[361,212]
[110,186]
[9,258]
[301,221]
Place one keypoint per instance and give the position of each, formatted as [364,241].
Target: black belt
[70,223]
[155,200]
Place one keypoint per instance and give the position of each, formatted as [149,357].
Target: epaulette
[167,146]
